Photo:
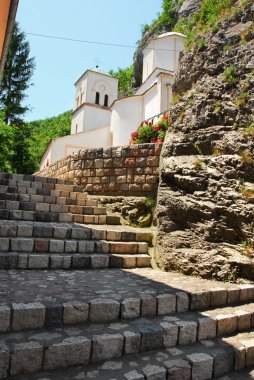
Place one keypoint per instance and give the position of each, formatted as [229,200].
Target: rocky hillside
[206,192]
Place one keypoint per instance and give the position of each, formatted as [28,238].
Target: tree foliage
[125,77]
[6,142]
[166,19]
[16,78]
[42,131]
[207,17]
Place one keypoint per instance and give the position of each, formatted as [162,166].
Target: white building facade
[101,120]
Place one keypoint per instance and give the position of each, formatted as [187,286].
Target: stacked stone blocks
[132,169]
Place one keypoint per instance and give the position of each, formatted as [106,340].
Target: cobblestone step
[27,286]
[129,295]
[79,199]
[200,361]
[160,316]
[43,245]
[33,178]
[64,347]
[14,228]
[55,217]
[52,207]
[22,184]
[37,190]
[73,261]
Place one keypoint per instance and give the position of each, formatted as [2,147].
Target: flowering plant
[148,132]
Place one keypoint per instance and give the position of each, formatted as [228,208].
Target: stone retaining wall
[131,169]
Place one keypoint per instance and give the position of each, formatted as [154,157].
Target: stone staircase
[80,301]
[31,236]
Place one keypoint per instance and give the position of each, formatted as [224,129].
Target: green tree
[6,143]
[42,131]
[16,78]
[125,77]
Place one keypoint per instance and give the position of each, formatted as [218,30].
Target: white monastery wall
[64,146]
[77,123]
[148,65]
[90,117]
[124,122]
[151,103]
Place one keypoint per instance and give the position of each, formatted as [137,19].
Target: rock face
[206,192]
[188,8]
[134,211]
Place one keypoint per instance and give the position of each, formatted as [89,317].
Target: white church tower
[95,92]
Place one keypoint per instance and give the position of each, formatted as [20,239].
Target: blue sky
[60,63]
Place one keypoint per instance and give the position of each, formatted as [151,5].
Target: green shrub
[6,145]
[248,247]
[246,157]
[198,164]
[149,132]
[243,98]
[207,17]
[175,99]
[230,75]
[249,131]
[226,47]
[201,43]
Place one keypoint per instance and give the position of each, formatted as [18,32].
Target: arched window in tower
[106,100]
[97,98]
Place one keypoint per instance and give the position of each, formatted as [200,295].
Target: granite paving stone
[22,286]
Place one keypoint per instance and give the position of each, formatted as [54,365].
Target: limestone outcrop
[206,192]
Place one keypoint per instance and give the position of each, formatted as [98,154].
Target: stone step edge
[223,320]
[52,207]
[12,184]
[34,178]
[44,192]
[38,230]
[80,350]
[72,261]
[61,209]
[55,217]
[50,199]
[195,362]
[47,245]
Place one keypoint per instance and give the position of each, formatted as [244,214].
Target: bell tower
[95,91]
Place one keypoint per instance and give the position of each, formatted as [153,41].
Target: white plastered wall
[126,116]
[90,117]
[151,103]
[162,53]
[64,146]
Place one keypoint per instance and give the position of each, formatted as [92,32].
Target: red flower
[135,134]
[150,123]
[165,117]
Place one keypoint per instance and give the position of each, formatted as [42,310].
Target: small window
[106,100]
[81,98]
[76,128]
[97,98]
